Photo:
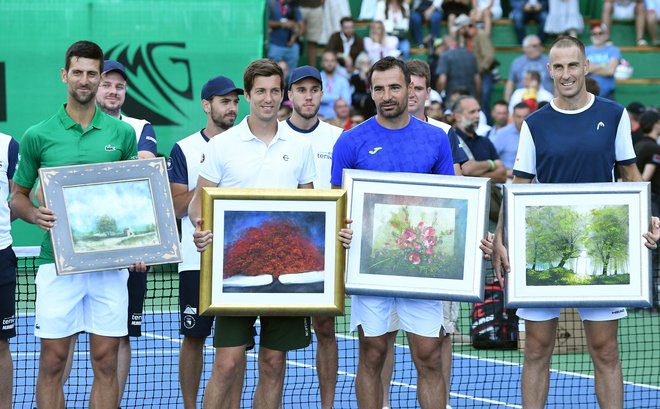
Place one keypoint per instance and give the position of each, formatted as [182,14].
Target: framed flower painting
[416,235]
[274,252]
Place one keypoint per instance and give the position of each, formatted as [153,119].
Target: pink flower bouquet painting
[414,236]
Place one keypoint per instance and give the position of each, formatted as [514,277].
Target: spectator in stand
[648,157]
[333,12]
[285,111]
[395,15]
[286,25]
[652,11]
[534,59]
[603,59]
[454,8]
[626,10]
[359,81]
[342,117]
[434,109]
[500,117]
[484,12]
[635,110]
[458,68]
[285,69]
[425,11]
[590,84]
[438,48]
[477,41]
[334,85]
[531,93]
[345,44]
[312,15]
[564,18]
[379,45]
[522,11]
[506,140]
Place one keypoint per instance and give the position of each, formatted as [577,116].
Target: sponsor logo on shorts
[189,321]
[136,319]
[306,327]
[190,310]
[8,323]
[621,311]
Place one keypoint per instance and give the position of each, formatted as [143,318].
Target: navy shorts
[137,289]
[8,265]
[192,324]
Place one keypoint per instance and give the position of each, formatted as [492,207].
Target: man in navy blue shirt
[587,137]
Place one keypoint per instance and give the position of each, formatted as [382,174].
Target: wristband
[492,164]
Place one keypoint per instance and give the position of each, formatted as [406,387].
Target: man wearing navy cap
[220,103]
[306,91]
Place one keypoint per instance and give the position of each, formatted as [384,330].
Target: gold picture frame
[279,253]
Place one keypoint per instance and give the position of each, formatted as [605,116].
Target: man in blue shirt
[587,137]
[506,139]
[393,141]
[603,60]
[286,25]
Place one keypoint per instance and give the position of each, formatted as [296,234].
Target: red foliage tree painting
[275,247]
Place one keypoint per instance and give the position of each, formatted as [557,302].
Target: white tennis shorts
[374,314]
[95,302]
[450,310]
[587,314]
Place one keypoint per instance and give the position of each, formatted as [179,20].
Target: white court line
[507,363]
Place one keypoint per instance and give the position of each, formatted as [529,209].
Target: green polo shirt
[59,141]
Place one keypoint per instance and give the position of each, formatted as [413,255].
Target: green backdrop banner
[170,49]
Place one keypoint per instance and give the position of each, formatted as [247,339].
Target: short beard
[393,114]
[224,124]
[309,116]
[467,125]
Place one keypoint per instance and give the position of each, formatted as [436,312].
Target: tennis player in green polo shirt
[96,302]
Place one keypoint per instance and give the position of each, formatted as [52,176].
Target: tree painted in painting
[106,224]
[608,236]
[555,234]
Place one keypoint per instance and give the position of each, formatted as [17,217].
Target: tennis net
[480,378]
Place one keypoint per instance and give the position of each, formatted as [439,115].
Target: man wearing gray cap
[306,91]
[220,103]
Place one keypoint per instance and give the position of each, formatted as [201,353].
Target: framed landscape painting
[274,252]
[578,245]
[416,235]
[111,215]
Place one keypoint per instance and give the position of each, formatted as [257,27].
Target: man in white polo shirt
[257,154]
[220,103]
[306,91]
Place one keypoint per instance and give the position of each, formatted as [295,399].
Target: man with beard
[335,85]
[220,103]
[110,98]
[95,302]
[394,141]
[483,161]
[306,91]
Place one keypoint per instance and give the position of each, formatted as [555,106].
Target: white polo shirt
[240,159]
[322,136]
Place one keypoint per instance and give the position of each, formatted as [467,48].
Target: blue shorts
[137,289]
[192,324]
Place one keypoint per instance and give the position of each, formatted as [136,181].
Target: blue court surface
[153,381]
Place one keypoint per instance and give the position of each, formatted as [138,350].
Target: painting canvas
[416,235]
[100,219]
[577,245]
[111,215]
[274,252]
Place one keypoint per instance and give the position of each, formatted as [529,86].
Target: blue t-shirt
[580,146]
[522,64]
[416,148]
[147,140]
[281,35]
[603,56]
[506,144]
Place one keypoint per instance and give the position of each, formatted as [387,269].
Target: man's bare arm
[202,238]
[23,208]
[181,198]
[630,173]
